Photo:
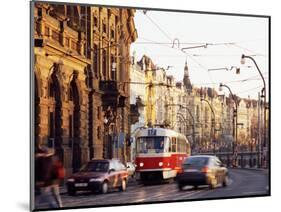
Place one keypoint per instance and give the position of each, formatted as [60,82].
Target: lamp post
[264,96]
[235,114]
[213,120]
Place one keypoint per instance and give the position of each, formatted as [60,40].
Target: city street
[243,182]
[110,98]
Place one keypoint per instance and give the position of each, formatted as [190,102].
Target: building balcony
[108,86]
[111,95]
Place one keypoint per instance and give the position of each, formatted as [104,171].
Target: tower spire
[186,69]
[186,80]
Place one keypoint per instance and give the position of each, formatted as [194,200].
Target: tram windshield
[156,144]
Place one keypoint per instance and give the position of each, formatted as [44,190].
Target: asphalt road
[243,182]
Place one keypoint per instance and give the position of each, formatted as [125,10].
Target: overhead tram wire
[203,67]
[158,27]
[249,50]
[235,81]
[168,43]
[187,54]
[191,56]
[251,89]
[201,43]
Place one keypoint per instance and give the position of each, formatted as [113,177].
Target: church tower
[186,80]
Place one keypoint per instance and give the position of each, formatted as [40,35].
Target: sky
[228,37]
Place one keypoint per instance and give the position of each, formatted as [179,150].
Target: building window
[99,132]
[39,12]
[95,21]
[55,36]
[104,63]
[103,27]
[74,45]
[112,33]
[98,112]
[95,63]
[113,68]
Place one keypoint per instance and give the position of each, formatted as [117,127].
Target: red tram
[160,153]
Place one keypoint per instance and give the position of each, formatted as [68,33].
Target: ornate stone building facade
[81,70]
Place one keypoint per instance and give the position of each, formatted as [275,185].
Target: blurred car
[202,170]
[131,168]
[99,175]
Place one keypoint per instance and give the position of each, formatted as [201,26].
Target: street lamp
[235,114]
[213,120]
[263,91]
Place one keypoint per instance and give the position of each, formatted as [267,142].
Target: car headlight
[160,163]
[70,180]
[95,180]
[141,164]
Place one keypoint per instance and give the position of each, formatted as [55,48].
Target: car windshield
[96,166]
[153,144]
[196,161]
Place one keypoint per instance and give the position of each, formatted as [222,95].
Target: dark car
[202,170]
[99,175]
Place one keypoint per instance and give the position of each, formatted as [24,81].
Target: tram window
[174,144]
[181,145]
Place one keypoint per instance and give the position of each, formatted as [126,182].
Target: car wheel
[195,187]
[104,187]
[225,181]
[123,186]
[71,192]
[180,186]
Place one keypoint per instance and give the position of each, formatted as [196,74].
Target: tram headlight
[160,163]
[141,164]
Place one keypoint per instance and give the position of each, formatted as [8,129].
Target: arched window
[55,116]
[74,125]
